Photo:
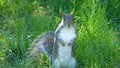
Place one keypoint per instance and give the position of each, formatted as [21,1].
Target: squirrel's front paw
[62,42]
[71,42]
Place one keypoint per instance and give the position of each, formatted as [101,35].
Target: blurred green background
[98,31]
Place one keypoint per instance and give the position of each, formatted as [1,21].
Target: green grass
[98,31]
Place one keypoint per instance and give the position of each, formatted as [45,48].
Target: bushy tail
[43,43]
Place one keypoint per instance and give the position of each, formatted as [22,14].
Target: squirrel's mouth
[68,25]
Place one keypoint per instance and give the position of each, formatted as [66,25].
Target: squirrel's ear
[63,14]
[73,14]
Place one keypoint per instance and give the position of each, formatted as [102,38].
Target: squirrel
[58,45]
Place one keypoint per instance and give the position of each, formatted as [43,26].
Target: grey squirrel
[58,45]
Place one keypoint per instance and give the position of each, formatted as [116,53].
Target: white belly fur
[64,53]
[66,34]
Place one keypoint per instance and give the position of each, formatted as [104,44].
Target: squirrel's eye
[73,19]
[64,19]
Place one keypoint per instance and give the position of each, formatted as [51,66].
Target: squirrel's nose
[68,25]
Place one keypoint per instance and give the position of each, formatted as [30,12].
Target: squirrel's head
[68,19]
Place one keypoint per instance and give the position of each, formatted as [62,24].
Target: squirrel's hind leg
[72,63]
[56,64]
